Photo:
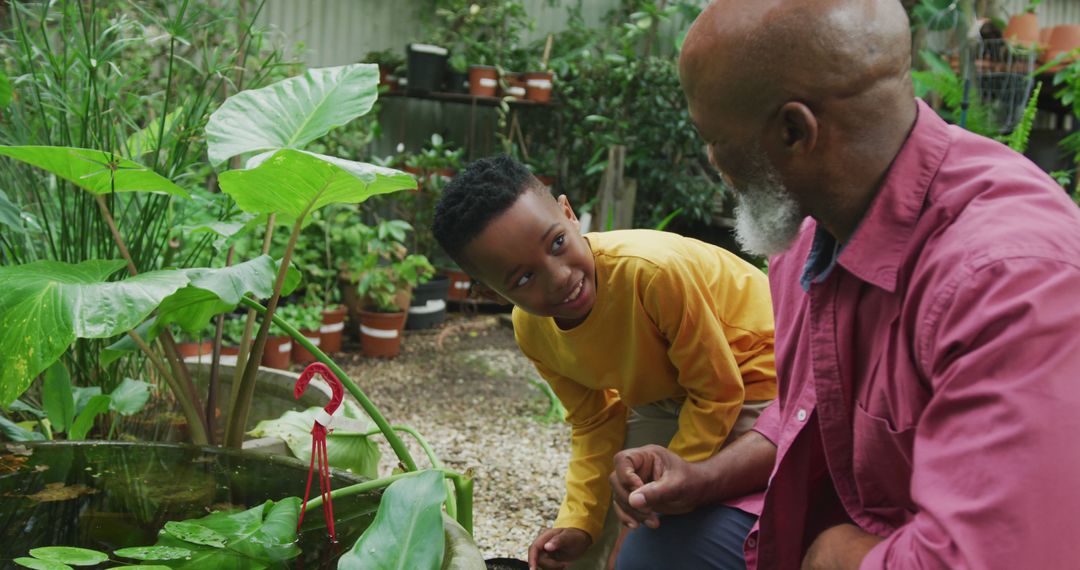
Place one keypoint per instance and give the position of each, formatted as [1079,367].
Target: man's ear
[568,211]
[798,128]
[477,290]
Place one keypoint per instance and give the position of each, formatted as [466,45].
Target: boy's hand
[556,548]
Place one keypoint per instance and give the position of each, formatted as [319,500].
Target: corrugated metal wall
[336,32]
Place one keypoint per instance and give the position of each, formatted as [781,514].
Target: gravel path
[473,402]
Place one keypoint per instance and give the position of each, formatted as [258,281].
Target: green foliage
[436,155]
[304,109]
[940,79]
[1021,134]
[408,529]
[94,171]
[936,15]
[303,317]
[1067,82]
[153,553]
[346,448]
[254,538]
[388,59]
[477,32]
[57,398]
[383,266]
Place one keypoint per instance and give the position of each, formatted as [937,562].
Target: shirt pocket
[882,461]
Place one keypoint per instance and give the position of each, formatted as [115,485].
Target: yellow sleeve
[720,330]
[598,421]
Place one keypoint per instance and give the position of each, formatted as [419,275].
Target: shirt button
[751,542]
[801,415]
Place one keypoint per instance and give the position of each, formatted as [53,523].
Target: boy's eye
[525,277]
[558,243]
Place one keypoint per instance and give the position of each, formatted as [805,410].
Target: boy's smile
[534,255]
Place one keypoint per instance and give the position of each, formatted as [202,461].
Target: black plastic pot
[428,307]
[426,67]
[457,81]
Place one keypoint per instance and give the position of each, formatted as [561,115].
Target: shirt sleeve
[720,335]
[598,423]
[996,459]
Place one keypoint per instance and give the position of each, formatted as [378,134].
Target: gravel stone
[473,402]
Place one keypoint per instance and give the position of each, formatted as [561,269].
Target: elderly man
[927,312]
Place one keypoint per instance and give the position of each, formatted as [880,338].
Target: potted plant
[437,158]
[483,32]
[390,64]
[198,346]
[388,273]
[279,349]
[307,319]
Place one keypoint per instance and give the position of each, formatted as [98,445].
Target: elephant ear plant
[46,305]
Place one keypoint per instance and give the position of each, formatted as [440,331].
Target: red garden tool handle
[335,385]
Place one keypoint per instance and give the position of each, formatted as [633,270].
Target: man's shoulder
[989,203]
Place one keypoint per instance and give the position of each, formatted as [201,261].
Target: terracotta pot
[278,352]
[333,325]
[380,333]
[515,85]
[538,86]
[459,284]
[1044,40]
[1023,29]
[483,80]
[195,349]
[301,355]
[1063,39]
[386,78]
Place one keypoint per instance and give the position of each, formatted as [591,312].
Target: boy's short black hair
[487,188]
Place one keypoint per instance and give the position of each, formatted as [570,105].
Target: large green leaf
[215,291]
[461,550]
[291,112]
[146,140]
[345,448]
[46,305]
[407,532]
[84,422]
[57,397]
[292,183]
[15,432]
[94,170]
[35,564]
[129,397]
[254,539]
[153,552]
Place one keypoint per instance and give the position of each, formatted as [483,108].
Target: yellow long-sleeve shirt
[673,317]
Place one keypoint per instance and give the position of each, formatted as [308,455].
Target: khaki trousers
[655,424]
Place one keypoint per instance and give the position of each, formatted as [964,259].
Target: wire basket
[1001,76]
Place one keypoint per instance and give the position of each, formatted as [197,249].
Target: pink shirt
[930,379]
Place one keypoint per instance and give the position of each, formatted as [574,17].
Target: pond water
[110,495]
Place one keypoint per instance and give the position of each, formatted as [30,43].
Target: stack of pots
[428,307]
[1062,39]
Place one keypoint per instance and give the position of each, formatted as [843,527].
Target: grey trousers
[655,424]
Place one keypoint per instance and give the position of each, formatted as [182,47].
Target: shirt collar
[877,247]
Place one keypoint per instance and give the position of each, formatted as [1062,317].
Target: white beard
[767,217]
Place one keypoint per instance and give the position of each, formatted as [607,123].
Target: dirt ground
[473,401]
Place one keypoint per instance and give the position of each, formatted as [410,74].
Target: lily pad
[70,555]
[36,564]
[153,552]
[196,534]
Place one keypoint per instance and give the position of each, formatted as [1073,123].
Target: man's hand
[649,481]
[556,548]
[841,547]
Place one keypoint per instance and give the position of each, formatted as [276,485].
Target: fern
[1020,136]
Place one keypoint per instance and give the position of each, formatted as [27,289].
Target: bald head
[817,92]
[762,52]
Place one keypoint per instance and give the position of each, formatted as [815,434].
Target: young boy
[645,336]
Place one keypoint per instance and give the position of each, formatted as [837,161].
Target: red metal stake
[318,440]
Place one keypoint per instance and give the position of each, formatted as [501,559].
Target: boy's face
[534,256]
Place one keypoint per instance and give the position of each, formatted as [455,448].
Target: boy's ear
[477,290]
[568,211]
